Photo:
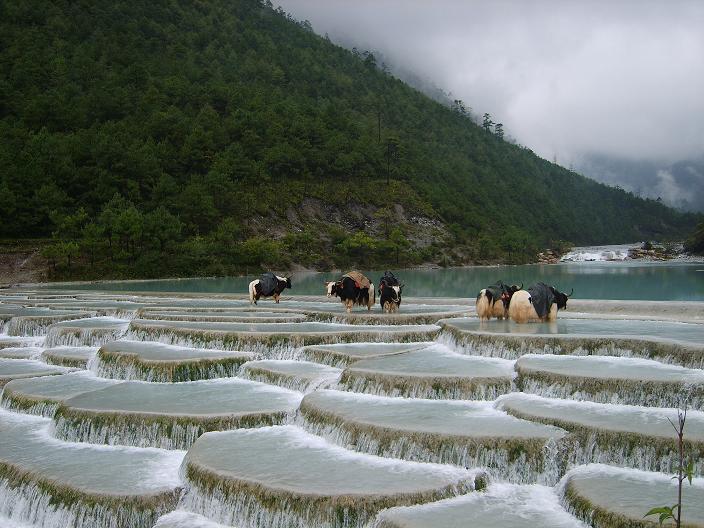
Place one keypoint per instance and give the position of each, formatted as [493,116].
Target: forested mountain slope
[168,137]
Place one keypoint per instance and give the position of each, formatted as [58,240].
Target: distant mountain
[679,185]
[160,137]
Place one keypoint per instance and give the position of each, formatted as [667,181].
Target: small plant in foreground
[674,512]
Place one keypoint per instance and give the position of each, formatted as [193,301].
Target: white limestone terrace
[94,331]
[343,354]
[282,476]
[160,362]
[17,342]
[32,321]
[28,352]
[42,395]
[463,433]
[501,505]
[185,519]
[431,372]
[67,356]
[274,339]
[220,315]
[610,379]
[26,368]
[609,496]
[47,482]
[668,341]
[692,333]
[302,376]
[171,415]
[684,311]
[640,437]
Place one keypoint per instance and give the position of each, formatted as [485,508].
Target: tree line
[163,137]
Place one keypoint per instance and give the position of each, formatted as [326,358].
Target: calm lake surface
[591,280]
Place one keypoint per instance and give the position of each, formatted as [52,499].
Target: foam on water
[598,253]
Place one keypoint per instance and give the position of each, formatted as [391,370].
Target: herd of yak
[539,302]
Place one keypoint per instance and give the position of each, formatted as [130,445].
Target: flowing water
[150,410]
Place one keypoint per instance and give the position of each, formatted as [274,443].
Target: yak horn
[521,287]
[571,293]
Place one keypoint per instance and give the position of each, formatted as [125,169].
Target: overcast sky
[569,79]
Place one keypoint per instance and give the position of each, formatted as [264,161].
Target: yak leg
[552,314]
[276,298]
[348,305]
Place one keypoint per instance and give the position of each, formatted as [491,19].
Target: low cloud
[568,79]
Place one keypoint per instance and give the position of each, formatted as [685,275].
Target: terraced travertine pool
[144,410]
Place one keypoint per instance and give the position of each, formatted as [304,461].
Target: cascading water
[343,456]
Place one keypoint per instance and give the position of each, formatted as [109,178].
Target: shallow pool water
[685,332]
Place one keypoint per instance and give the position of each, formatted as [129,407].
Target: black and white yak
[538,303]
[353,288]
[494,300]
[390,290]
[268,285]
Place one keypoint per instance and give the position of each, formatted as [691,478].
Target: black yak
[539,302]
[268,285]
[390,290]
[353,288]
[494,300]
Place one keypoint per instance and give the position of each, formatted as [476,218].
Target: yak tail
[252,291]
[484,304]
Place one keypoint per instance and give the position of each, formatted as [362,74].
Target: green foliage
[167,138]
[664,513]
[695,243]
[683,473]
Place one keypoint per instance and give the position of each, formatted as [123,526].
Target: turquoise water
[590,280]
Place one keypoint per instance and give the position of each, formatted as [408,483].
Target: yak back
[268,283]
[360,280]
[542,298]
[497,289]
[389,279]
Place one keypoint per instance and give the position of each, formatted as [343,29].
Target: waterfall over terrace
[180,410]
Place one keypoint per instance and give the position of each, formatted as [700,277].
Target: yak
[494,300]
[268,285]
[539,302]
[352,288]
[390,290]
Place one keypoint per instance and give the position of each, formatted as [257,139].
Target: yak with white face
[390,290]
[268,285]
[494,300]
[353,288]
[538,303]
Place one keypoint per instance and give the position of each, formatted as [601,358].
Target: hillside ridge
[166,138]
